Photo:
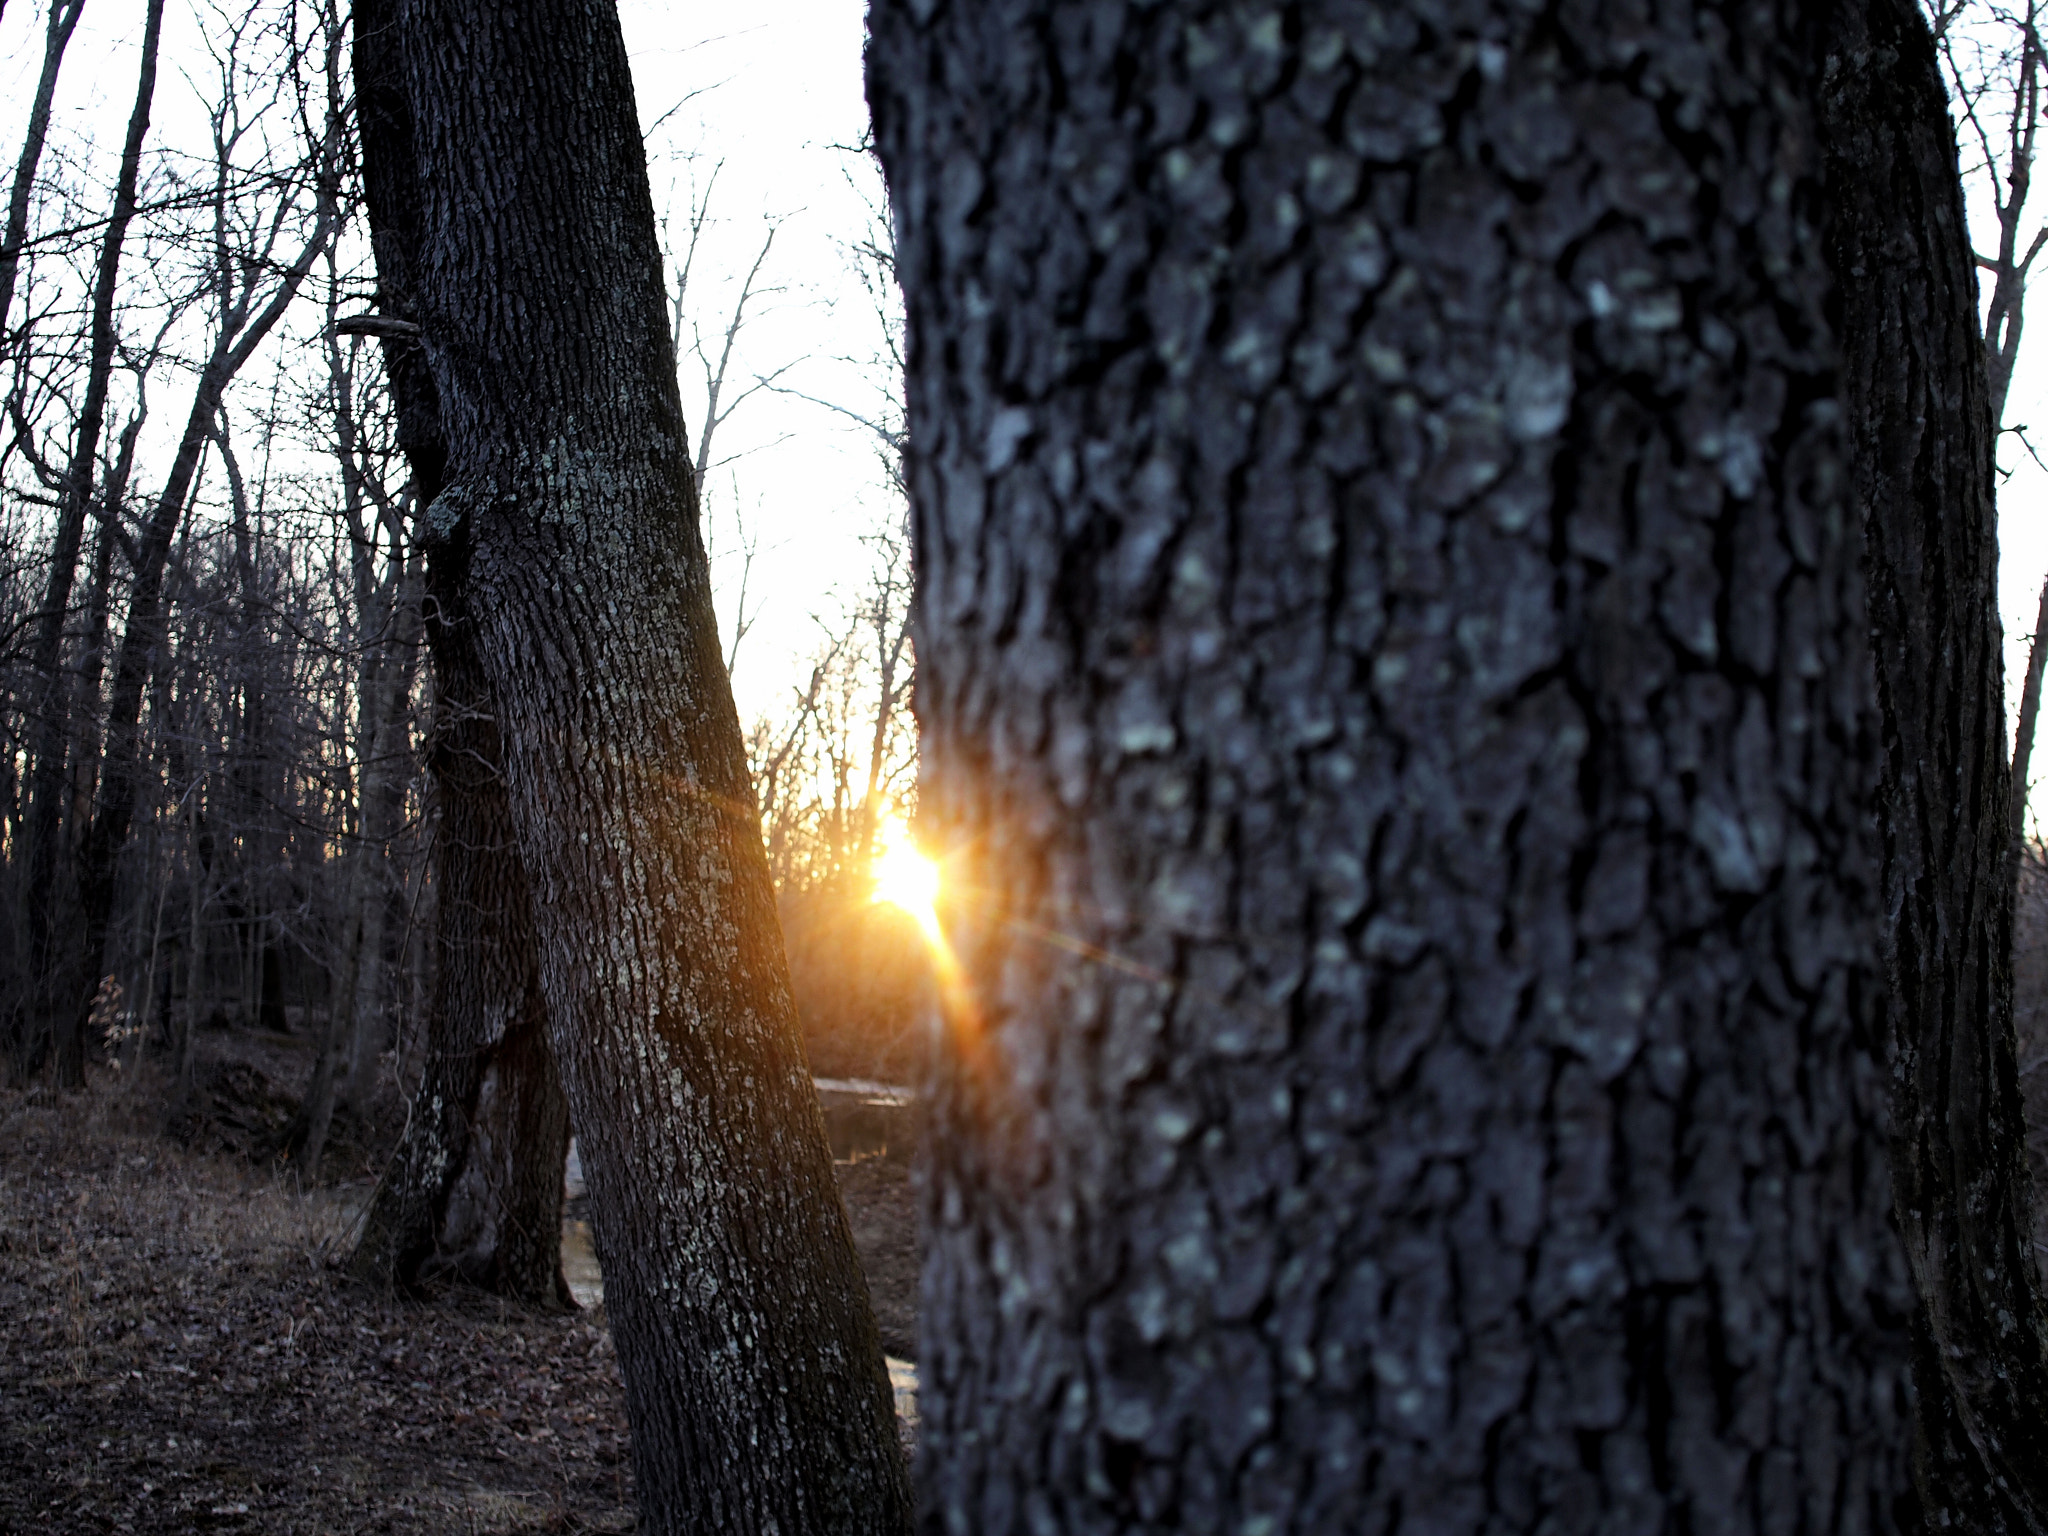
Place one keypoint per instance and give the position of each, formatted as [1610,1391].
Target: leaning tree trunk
[1395,685]
[753,1372]
[475,1188]
[1919,400]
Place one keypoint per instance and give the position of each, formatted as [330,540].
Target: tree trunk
[475,1188]
[384,686]
[754,1377]
[305,1138]
[49,726]
[198,873]
[61,23]
[2023,734]
[1394,680]
[372,1020]
[1914,366]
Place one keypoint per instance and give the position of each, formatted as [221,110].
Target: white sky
[781,93]
[778,91]
[2023,530]
[777,88]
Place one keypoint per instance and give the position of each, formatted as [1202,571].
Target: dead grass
[180,1358]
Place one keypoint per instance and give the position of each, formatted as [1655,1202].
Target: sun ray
[906,878]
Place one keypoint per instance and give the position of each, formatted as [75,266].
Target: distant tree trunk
[197,873]
[270,1014]
[372,1017]
[60,24]
[199,856]
[1394,675]
[753,1372]
[386,684]
[49,725]
[1919,400]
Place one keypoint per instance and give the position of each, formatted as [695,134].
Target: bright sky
[2023,529]
[771,91]
[779,99]
[777,92]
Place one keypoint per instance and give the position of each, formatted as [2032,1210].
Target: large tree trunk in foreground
[1917,393]
[753,1374]
[1389,599]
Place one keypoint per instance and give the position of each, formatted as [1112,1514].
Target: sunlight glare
[906,878]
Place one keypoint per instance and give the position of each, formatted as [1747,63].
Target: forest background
[786,319]
[785,316]
[216,787]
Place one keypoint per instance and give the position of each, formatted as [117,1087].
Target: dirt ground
[179,1356]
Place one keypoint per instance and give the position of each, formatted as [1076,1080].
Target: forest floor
[180,1356]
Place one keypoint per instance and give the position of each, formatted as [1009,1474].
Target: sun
[905,878]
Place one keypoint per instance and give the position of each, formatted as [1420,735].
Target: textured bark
[475,1188]
[754,1377]
[1394,675]
[1914,367]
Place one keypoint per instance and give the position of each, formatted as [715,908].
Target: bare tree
[753,1372]
[253,284]
[475,1184]
[63,21]
[1991,60]
[719,403]
[47,762]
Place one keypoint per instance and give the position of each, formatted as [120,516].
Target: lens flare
[907,879]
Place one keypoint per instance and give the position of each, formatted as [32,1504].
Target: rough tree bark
[1914,366]
[475,1187]
[754,1376]
[1389,598]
